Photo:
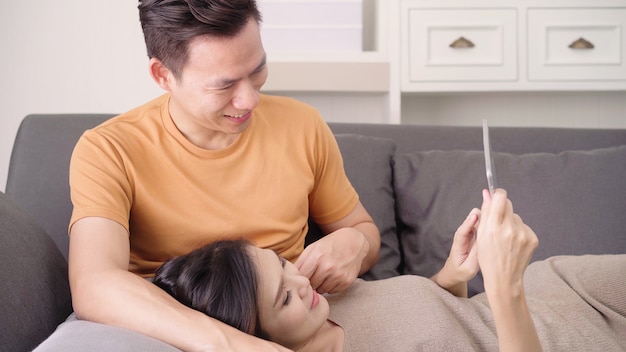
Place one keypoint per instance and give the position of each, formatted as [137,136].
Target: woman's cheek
[288,321]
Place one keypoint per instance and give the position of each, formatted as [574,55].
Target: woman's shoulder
[392,291]
[410,312]
[395,283]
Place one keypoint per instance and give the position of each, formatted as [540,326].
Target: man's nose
[246,96]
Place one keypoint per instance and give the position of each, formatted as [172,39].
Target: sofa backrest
[514,140]
[39,169]
[569,185]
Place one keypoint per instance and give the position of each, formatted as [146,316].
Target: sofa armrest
[33,281]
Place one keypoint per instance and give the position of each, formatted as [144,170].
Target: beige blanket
[578,303]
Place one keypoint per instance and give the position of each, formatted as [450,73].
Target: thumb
[485,207]
[472,257]
[304,264]
[465,232]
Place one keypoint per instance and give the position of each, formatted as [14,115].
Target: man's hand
[333,262]
[350,248]
[462,263]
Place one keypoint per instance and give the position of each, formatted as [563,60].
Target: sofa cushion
[33,284]
[574,201]
[81,335]
[367,161]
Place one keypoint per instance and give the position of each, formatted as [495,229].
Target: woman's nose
[301,283]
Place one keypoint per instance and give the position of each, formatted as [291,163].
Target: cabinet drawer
[462,45]
[576,44]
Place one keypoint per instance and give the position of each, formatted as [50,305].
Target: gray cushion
[367,161]
[80,335]
[33,285]
[573,200]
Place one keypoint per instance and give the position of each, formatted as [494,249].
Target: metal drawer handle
[462,43]
[581,43]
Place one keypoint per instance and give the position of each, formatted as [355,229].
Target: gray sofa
[418,182]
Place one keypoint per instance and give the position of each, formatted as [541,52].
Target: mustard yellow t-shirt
[172,196]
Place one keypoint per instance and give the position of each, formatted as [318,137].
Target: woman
[575,302]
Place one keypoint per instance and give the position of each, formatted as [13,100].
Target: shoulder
[286,110]
[275,103]
[397,285]
[142,120]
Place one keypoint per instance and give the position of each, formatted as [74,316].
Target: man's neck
[210,140]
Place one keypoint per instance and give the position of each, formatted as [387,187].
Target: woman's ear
[161,74]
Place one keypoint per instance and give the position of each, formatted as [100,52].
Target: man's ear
[161,74]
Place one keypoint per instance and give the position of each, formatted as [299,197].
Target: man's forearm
[372,237]
[125,300]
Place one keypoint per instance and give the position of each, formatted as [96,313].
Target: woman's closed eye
[287,298]
[283,262]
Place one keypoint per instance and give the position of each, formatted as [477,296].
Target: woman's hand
[505,244]
[462,263]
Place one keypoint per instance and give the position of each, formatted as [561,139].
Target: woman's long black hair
[220,280]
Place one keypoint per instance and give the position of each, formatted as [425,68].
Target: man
[210,159]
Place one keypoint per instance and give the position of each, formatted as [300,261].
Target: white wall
[546,109]
[76,56]
[66,56]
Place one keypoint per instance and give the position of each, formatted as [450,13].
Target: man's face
[212,101]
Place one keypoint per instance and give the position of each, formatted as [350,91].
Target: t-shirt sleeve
[98,182]
[333,197]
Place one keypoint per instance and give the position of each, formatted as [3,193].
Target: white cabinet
[576,44]
[461,45]
[514,46]
[455,59]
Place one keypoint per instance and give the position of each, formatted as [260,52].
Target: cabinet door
[461,45]
[576,44]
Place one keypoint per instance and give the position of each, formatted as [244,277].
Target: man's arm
[104,291]
[350,247]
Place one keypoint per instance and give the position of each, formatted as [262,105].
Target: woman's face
[290,311]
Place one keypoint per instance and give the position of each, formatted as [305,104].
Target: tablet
[489,165]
